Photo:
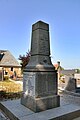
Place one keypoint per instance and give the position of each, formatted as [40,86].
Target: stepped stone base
[15,111]
[41,104]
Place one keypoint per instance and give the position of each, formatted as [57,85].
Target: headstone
[40,77]
[70,84]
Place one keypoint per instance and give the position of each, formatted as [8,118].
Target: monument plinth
[39,77]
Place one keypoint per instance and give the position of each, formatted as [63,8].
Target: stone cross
[39,77]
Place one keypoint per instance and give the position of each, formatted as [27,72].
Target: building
[8,64]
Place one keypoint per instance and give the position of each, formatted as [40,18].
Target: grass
[10,86]
[9,89]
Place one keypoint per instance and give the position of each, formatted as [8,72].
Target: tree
[24,59]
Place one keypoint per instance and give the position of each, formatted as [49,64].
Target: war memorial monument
[40,77]
[40,99]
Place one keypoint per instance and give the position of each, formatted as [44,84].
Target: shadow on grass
[10,95]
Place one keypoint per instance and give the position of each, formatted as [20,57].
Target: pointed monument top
[40,25]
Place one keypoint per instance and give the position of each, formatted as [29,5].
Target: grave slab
[15,111]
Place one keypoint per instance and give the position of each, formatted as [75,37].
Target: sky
[63,17]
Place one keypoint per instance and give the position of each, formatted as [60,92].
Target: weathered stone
[67,111]
[70,84]
[40,77]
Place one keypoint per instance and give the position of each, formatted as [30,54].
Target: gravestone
[70,84]
[40,77]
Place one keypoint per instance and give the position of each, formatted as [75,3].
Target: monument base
[41,104]
[69,109]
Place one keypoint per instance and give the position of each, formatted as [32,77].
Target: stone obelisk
[39,77]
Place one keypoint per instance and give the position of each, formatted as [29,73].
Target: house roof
[68,72]
[7,59]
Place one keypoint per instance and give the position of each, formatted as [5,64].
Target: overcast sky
[63,17]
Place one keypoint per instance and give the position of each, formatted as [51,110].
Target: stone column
[2,74]
[40,78]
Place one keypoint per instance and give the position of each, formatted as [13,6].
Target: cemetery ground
[9,90]
[12,89]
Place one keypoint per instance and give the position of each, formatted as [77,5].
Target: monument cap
[40,25]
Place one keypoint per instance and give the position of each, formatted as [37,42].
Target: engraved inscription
[44,43]
[29,84]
